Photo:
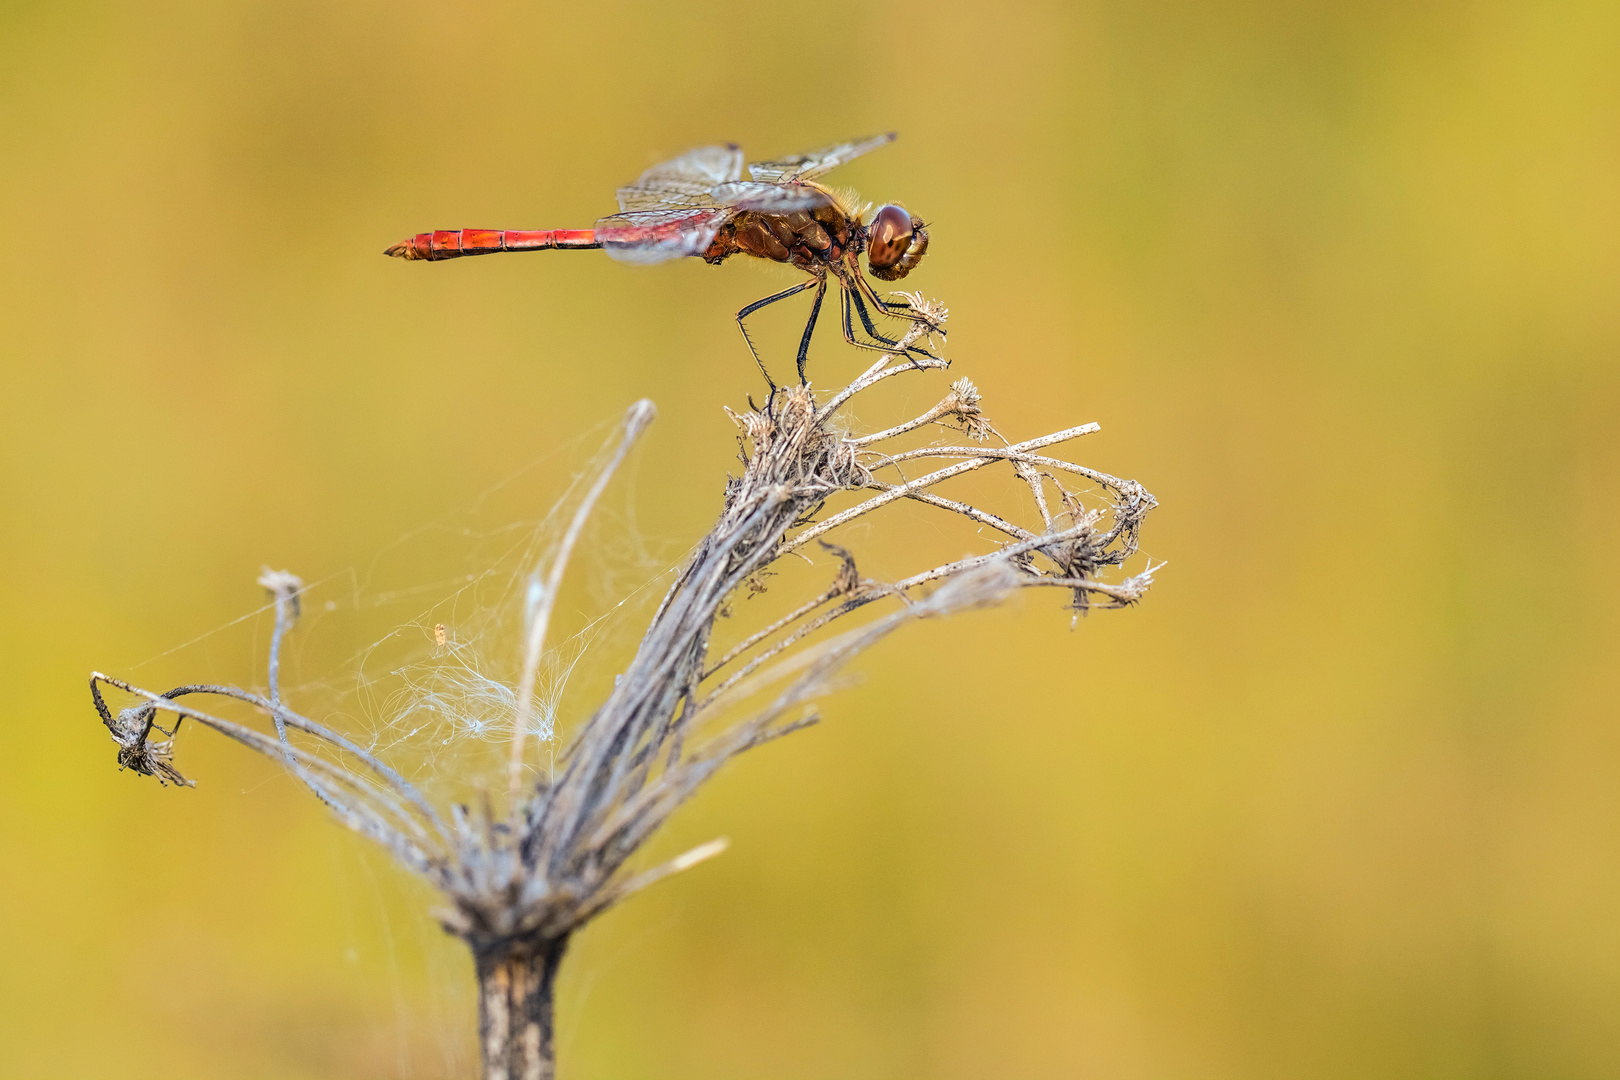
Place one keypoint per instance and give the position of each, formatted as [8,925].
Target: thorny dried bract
[132,730]
[519,881]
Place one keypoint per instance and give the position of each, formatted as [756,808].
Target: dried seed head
[848,579]
[964,405]
[152,759]
[129,730]
[967,395]
[282,585]
[756,425]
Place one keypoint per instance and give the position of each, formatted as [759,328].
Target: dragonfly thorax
[807,239]
[894,242]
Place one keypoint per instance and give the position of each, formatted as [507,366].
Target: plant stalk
[516,985]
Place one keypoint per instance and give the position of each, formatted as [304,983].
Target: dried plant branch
[542,597]
[284,589]
[760,635]
[978,461]
[382,811]
[967,510]
[1017,455]
[518,884]
[962,402]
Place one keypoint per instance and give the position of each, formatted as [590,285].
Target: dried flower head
[132,729]
[963,403]
[521,877]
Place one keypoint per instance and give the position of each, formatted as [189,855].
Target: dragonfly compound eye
[895,242]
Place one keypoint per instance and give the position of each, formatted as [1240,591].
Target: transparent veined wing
[669,197]
[811,165]
[769,198]
[655,236]
[686,181]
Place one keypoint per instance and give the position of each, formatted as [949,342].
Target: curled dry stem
[542,594]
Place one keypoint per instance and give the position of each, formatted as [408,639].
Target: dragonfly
[699,205]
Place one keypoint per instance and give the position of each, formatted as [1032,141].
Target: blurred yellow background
[1339,799]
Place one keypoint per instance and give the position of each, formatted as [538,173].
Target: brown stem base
[515,986]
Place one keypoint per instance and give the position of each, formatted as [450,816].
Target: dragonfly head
[895,243]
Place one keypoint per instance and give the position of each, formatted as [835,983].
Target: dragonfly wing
[770,198]
[669,195]
[685,181]
[655,236]
[811,165]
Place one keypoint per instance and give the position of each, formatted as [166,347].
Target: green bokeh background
[1339,281]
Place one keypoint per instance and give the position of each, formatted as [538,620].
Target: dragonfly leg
[849,328]
[866,321]
[897,309]
[755,306]
[809,328]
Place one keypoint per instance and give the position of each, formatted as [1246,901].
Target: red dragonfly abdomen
[454,243]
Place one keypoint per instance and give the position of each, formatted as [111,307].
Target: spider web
[415,653]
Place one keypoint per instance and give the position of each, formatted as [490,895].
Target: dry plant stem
[284,589]
[635,422]
[758,636]
[387,809]
[939,573]
[1125,594]
[1019,455]
[983,517]
[517,885]
[943,409]
[980,459]
[887,366]
[516,990]
[1030,476]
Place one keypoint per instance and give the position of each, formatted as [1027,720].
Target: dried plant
[520,881]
